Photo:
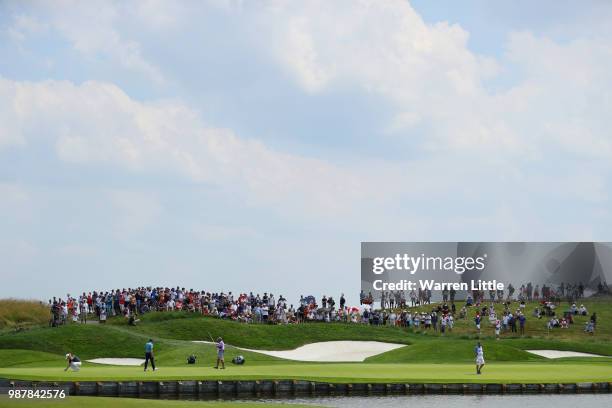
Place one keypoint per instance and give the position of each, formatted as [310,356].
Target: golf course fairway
[551,372]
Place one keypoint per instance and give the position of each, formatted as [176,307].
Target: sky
[253,145]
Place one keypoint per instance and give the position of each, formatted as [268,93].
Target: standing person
[522,319]
[478,350]
[220,353]
[149,355]
[74,362]
[83,309]
[497,328]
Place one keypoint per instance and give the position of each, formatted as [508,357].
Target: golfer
[74,362]
[480,362]
[220,352]
[149,355]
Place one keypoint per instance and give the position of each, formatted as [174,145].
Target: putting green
[357,372]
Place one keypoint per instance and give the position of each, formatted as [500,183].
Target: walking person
[149,355]
[220,353]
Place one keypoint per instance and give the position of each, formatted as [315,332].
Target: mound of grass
[15,313]
[96,341]
[192,326]
[27,358]
[87,341]
[264,336]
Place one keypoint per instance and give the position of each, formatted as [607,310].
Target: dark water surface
[459,401]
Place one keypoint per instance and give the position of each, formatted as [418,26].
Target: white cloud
[382,47]
[24,25]
[427,72]
[93,29]
[438,91]
[98,123]
[434,81]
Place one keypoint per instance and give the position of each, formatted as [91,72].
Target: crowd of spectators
[251,308]
[395,309]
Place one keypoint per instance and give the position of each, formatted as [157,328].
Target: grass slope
[94,341]
[184,326]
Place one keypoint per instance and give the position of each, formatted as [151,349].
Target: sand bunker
[561,354]
[337,351]
[118,361]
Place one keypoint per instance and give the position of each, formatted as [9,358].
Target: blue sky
[233,145]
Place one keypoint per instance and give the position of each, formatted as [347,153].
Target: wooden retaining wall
[285,388]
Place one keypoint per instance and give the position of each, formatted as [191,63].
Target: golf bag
[191,359]
[238,360]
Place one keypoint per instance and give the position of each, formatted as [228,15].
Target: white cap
[67,355]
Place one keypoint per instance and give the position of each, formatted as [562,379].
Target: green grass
[26,358]
[104,402]
[186,326]
[537,327]
[94,341]
[260,336]
[438,350]
[338,372]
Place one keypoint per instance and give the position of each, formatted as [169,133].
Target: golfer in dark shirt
[74,362]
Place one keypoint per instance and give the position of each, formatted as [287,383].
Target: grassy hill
[182,326]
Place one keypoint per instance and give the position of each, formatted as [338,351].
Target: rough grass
[15,313]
